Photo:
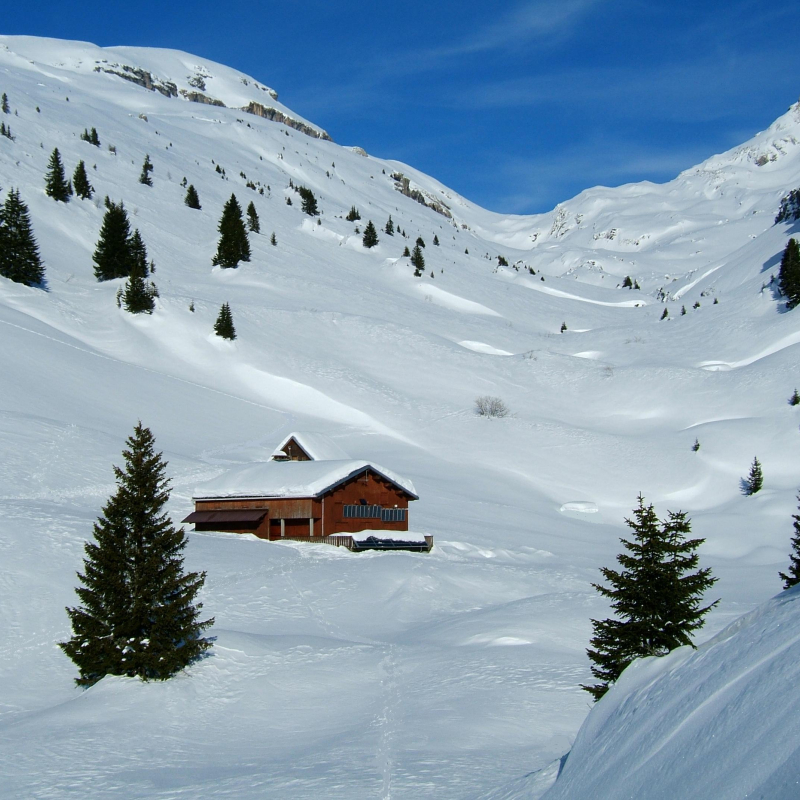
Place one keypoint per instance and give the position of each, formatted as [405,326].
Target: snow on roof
[318,447]
[290,479]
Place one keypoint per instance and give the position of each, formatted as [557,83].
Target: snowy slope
[403,675]
[721,721]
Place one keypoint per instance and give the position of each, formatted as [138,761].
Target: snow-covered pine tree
[755,478]
[253,222]
[792,577]
[112,256]
[352,214]
[656,596]
[80,182]
[417,260]
[789,274]
[370,238]
[138,615]
[19,253]
[224,325]
[389,228]
[192,199]
[233,245]
[55,182]
[147,168]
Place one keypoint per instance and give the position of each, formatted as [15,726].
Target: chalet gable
[308,446]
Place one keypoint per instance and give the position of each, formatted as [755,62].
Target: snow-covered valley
[450,674]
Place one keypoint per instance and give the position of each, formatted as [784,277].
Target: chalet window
[362,512]
[393,515]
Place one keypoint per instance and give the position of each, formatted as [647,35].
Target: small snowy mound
[722,721]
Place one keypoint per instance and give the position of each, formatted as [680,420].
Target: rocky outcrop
[403,185]
[141,77]
[198,97]
[267,112]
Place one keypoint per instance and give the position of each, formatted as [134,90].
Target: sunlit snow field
[452,674]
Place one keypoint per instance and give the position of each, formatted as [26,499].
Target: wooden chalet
[297,495]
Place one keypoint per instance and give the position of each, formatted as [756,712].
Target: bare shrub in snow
[486,406]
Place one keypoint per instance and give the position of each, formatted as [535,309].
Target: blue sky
[516,105]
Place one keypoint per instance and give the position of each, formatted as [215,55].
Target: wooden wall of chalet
[296,512]
[376,491]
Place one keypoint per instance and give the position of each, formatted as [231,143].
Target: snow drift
[722,721]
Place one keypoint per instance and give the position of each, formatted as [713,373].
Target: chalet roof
[291,479]
[317,446]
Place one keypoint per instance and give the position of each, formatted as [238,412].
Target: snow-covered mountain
[441,675]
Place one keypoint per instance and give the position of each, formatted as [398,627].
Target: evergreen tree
[4,104]
[352,214]
[417,260]
[112,256]
[137,615]
[94,138]
[192,199]
[436,240]
[420,242]
[147,168]
[563,327]
[406,252]
[793,576]
[233,245]
[794,400]
[80,180]
[56,185]
[665,314]
[627,283]
[696,445]
[755,479]
[789,274]
[370,238]
[138,297]
[309,204]
[253,222]
[389,229]
[224,325]
[137,253]
[19,253]
[656,596]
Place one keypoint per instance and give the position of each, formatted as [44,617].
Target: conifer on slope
[80,182]
[19,253]
[192,199]
[138,297]
[224,325]
[55,183]
[253,223]
[112,256]
[233,245]
[656,596]
[789,274]
[370,238]
[792,576]
[138,615]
